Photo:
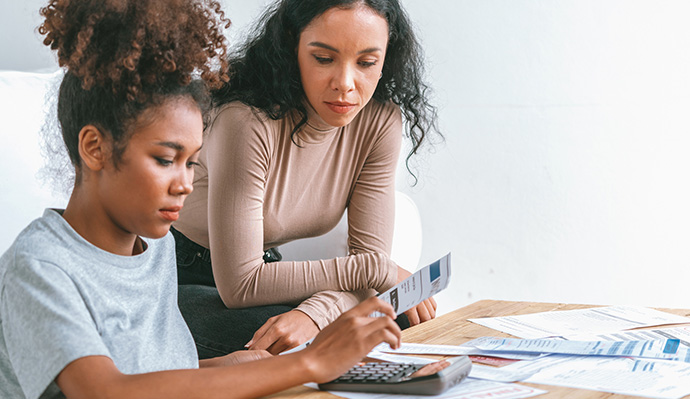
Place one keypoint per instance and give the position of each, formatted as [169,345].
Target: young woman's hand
[425,311]
[284,332]
[350,337]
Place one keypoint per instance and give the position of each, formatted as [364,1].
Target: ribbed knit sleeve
[264,190]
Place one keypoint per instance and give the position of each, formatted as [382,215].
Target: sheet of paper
[680,333]
[470,388]
[389,357]
[626,376]
[668,349]
[580,321]
[450,350]
[423,284]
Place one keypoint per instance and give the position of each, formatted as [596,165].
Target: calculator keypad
[378,372]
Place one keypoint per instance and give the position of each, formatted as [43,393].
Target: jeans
[216,329]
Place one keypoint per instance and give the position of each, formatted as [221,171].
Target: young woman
[88,294]
[310,125]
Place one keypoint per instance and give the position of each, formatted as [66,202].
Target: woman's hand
[284,332]
[350,337]
[425,311]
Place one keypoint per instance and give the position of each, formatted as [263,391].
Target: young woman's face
[145,193]
[340,56]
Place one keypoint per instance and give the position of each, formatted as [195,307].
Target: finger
[373,331]
[430,308]
[283,343]
[370,306]
[433,302]
[260,332]
[265,341]
[385,330]
[423,312]
[412,316]
[277,347]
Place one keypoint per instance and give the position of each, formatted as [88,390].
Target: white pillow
[407,238]
[22,115]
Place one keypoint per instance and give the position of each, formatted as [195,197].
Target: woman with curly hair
[309,126]
[88,294]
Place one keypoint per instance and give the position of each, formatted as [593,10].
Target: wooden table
[454,329]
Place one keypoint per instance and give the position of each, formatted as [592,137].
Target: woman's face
[340,56]
[143,195]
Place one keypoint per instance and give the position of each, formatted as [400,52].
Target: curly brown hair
[125,56]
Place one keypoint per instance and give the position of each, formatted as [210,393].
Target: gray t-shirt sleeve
[46,324]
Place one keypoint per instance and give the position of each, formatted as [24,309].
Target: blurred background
[563,176]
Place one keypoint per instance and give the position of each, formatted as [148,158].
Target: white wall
[563,176]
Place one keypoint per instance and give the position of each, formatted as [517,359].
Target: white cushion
[22,114]
[407,238]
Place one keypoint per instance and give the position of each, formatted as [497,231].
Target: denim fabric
[216,329]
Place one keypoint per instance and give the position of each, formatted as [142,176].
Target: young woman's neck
[89,219]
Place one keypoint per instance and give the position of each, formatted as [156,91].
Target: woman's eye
[323,60]
[367,64]
[163,161]
[192,164]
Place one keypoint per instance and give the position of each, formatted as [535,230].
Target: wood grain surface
[454,329]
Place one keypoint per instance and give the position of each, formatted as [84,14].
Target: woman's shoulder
[379,119]
[378,113]
[238,113]
[382,107]
[237,121]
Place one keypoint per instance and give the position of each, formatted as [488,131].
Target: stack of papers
[585,349]
[572,323]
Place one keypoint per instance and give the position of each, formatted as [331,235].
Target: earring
[380,76]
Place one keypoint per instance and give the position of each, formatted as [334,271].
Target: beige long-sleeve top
[255,189]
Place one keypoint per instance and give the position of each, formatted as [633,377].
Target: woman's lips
[340,107]
[171,214]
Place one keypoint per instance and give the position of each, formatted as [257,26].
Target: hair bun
[133,47]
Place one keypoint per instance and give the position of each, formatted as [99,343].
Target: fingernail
[248,344]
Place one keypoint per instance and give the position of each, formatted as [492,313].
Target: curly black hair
[264,72]
[123,57]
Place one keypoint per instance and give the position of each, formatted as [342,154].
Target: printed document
[423,284]
[626,376]
[448,350]
[580,321]
[668,349]
[682,334]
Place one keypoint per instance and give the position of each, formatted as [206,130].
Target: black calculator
[418,379]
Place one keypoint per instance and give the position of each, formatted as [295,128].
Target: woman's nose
[182,185]
[344,80]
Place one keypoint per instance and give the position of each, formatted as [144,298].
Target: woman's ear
[93,148]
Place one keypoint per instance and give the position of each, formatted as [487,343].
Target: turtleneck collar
[316,130]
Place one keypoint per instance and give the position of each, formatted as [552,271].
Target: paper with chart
[423,284]
[682,334]
[447,350]
[621,375]
[563,323]
[668,349]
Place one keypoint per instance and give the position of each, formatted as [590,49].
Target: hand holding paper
[424,283]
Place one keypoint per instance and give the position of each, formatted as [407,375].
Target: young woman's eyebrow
[335,50]
[175,146]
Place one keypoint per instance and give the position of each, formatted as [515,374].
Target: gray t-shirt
[62,298]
